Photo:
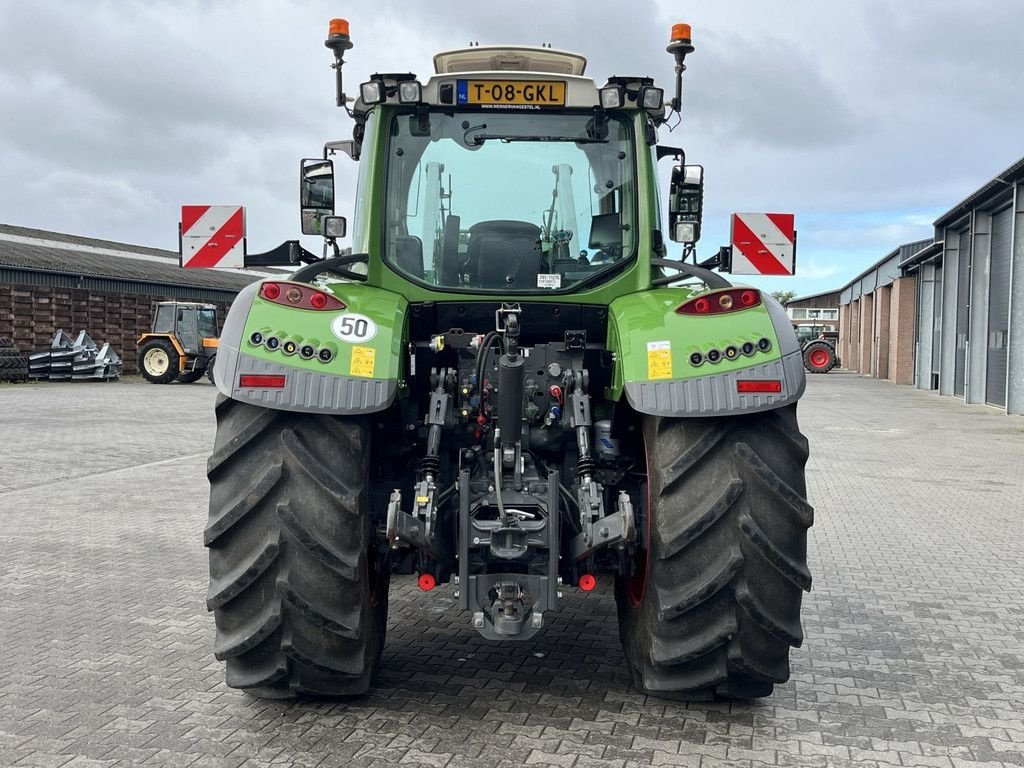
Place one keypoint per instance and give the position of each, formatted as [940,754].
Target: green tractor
[510,387]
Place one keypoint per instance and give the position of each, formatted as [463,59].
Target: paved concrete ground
[914,651]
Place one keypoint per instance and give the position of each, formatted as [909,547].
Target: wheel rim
[819,358]
[156,361]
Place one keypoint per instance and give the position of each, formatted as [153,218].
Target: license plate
[518,93]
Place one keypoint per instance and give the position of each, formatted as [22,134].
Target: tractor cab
[182,343]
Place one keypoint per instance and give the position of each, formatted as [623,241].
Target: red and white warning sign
[763,244]
[212,236]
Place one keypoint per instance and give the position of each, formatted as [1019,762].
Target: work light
[651,97]
[613,97]
[372,92]
[410,92]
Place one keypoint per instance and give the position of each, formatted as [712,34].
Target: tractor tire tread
[727,563]
[288,537]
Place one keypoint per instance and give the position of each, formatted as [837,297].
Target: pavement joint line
[104,472]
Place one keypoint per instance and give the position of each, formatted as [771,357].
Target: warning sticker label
[549,281]
[363,359]
[659,360]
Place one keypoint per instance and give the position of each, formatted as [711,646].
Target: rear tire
[717,607]
[299,600]
[190,377]
[820,357]
[209,368]
[158,361]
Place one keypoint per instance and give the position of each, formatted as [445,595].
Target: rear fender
[653,347]
[364,342]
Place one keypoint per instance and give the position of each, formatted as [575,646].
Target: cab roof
[509,58]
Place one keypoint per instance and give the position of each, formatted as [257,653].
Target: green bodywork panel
[386,309]
[652,342]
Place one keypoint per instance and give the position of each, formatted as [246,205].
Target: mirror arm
[721,260]
[663,151]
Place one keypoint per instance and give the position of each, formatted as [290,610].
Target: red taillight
[427,582]
[758,386]
[261,381]
[719,302]
[300,296]
[587,582]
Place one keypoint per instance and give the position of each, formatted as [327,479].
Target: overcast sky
[867,119]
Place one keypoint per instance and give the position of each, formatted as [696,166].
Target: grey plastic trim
[304,391]
[788,342]
[716,395]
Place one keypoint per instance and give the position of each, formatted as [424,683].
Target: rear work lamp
[372,92]
[410,92]
[613,97]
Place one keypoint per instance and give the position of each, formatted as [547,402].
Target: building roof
[795,299]
[924,254]
[37,250]
[906,249]
[997,184]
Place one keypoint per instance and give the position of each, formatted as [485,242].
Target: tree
[784,296]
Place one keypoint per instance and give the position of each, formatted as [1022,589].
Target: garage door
[998,309]
[963,303]
[936,327]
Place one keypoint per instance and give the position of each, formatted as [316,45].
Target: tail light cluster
[304,349]
[719,302]
[300,296]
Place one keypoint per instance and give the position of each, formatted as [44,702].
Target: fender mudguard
[656,350]
[357,350]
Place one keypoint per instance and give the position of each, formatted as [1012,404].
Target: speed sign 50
[353,328]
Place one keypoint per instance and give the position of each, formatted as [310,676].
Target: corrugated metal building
[50,280]
[970,326]
[876,318]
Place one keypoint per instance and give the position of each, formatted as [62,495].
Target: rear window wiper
[480,138]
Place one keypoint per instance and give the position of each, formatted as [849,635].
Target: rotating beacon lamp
[339,42]
[680,46]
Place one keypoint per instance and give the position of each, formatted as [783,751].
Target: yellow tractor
[182,344]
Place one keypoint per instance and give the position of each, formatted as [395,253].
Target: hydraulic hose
[481,359]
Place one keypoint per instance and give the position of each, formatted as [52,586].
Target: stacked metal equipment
[79,359]
[13,367]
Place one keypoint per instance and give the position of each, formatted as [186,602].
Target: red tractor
[820,353]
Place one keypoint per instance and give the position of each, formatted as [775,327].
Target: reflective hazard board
[212,236]
[763,244]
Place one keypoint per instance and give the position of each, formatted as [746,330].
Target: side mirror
[316,194]
[686,203]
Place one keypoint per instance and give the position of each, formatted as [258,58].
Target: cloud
[849,114]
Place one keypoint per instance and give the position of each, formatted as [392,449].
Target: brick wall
[30,315]
[902,309]
[864,343]
[880,364]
